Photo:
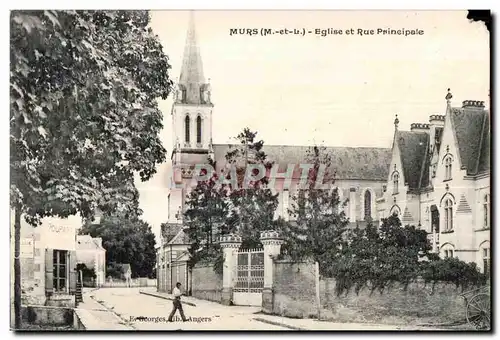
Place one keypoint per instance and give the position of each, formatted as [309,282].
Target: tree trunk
[17,268]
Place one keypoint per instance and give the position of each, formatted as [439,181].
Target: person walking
[177,305]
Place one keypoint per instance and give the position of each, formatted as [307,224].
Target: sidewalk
[96,317]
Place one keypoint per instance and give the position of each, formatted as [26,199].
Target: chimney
[420,127]
[475,104]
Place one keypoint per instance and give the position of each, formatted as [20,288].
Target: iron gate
[249,278]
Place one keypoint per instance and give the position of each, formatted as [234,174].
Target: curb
[166,298]
[274,323]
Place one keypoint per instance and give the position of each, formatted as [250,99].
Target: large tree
[126,240]
[318,227]
[84,116]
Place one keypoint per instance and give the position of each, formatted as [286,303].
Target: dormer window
[447,167]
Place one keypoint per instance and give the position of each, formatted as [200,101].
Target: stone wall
[206,284]
[294,295]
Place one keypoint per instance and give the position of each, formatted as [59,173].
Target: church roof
[413,147]
[349,162]
[471,127]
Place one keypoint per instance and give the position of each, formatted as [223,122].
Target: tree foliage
[84,115]
[215,207]
[318,221]
[126,241]
[253,203]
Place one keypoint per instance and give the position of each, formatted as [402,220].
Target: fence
[139,282]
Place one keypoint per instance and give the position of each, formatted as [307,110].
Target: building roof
[87,242]
[180,238]
[471,127]
[413,147]
[349,162]
[169,231]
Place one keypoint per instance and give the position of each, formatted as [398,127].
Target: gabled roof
[413,148]
[349,162]
[170,230]
[181,238]
[471,128]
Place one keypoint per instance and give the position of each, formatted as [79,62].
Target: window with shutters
[60,270]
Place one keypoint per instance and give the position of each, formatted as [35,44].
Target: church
[439,180]
[375,182]
[361,172]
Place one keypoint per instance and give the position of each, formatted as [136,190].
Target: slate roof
[349,162]
[170,230]
[472,133]
[413,147]
[180,238]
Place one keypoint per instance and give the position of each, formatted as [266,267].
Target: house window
[486,261]
[60,277]
[368,204]
[186,126]
[395,181]
[448,215]
[486,210]
[447,168]
[198,129]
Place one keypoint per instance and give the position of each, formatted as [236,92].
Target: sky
[337,90]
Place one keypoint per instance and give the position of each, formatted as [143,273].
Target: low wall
[206,284]
[47,315]
[294,295]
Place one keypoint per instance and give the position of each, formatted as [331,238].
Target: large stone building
[439,179]
[361,172]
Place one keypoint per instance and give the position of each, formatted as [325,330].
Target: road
[129,304]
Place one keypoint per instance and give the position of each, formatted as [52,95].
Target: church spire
[192,79]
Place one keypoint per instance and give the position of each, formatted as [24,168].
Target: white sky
[337,90]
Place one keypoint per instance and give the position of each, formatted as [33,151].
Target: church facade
[439,180]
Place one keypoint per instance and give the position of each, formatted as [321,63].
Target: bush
[453,270]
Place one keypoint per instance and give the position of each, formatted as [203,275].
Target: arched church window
[198,129]
[186,126]
[368,204]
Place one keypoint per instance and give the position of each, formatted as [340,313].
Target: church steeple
[192,87]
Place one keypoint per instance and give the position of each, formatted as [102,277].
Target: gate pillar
[272,242]
[229,244]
